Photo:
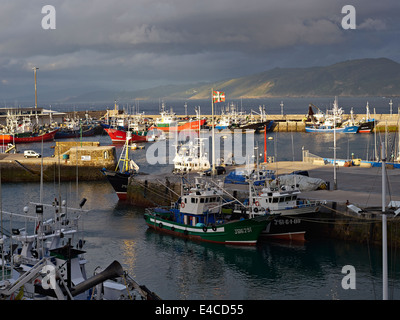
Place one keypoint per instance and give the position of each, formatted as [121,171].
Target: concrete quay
[71,160]
[359,186]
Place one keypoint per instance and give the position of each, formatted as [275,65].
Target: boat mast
[34,71]
[384,229]
[334,146]
[213,133]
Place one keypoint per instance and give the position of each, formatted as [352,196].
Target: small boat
[191,157]
[27,137]
[119,136]
[119,178]
[283,200]
[331,122]
[197,216]
[367,124]
[169,122]
[85,131]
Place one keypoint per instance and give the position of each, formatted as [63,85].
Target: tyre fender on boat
[160,225]
[205,229]
[214,228]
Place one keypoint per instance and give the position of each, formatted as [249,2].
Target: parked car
[218,169]
[31,154]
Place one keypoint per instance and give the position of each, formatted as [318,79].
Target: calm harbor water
[185,270]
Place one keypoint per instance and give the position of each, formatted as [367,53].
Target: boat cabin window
[288,198]
[275,200]
[193,200]
[201,200]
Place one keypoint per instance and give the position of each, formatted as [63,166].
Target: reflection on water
[178,269]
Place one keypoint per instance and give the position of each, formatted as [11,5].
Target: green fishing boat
[197,215]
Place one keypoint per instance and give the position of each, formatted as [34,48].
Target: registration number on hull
[243,230]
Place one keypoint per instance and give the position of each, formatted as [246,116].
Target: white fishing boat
[49,263]
[285,201]
[191,157]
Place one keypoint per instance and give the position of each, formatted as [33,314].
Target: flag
[218,96]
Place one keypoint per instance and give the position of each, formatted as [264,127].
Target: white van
[31,154]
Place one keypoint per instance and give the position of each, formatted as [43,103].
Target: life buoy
[257,203]
[37,282]
[182,205]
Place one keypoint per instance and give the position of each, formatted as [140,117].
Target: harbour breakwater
[282,122]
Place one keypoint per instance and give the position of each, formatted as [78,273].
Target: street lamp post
[36,115]
[34,71]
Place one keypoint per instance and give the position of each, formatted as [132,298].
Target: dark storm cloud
[134,44]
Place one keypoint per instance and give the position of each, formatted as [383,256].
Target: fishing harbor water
[182,270]
[186,270]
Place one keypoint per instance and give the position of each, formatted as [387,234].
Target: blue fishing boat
[331,121]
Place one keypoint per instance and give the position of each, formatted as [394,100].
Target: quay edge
[71,160]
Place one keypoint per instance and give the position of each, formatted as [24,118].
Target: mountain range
[362,77]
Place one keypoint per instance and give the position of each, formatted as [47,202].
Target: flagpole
[213,137]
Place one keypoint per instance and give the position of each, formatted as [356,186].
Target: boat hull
[120,136]
[366,127]
[191,125]
[349,129]
[291,224]
[20,138]
[65,134]
[244,232]
[119,181]
[260,126]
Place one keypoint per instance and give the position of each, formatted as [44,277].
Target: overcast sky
[135,44]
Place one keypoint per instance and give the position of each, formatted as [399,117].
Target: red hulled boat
[27,137]
[120,136]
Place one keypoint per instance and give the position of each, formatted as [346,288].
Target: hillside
[363,77]
[366,77]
